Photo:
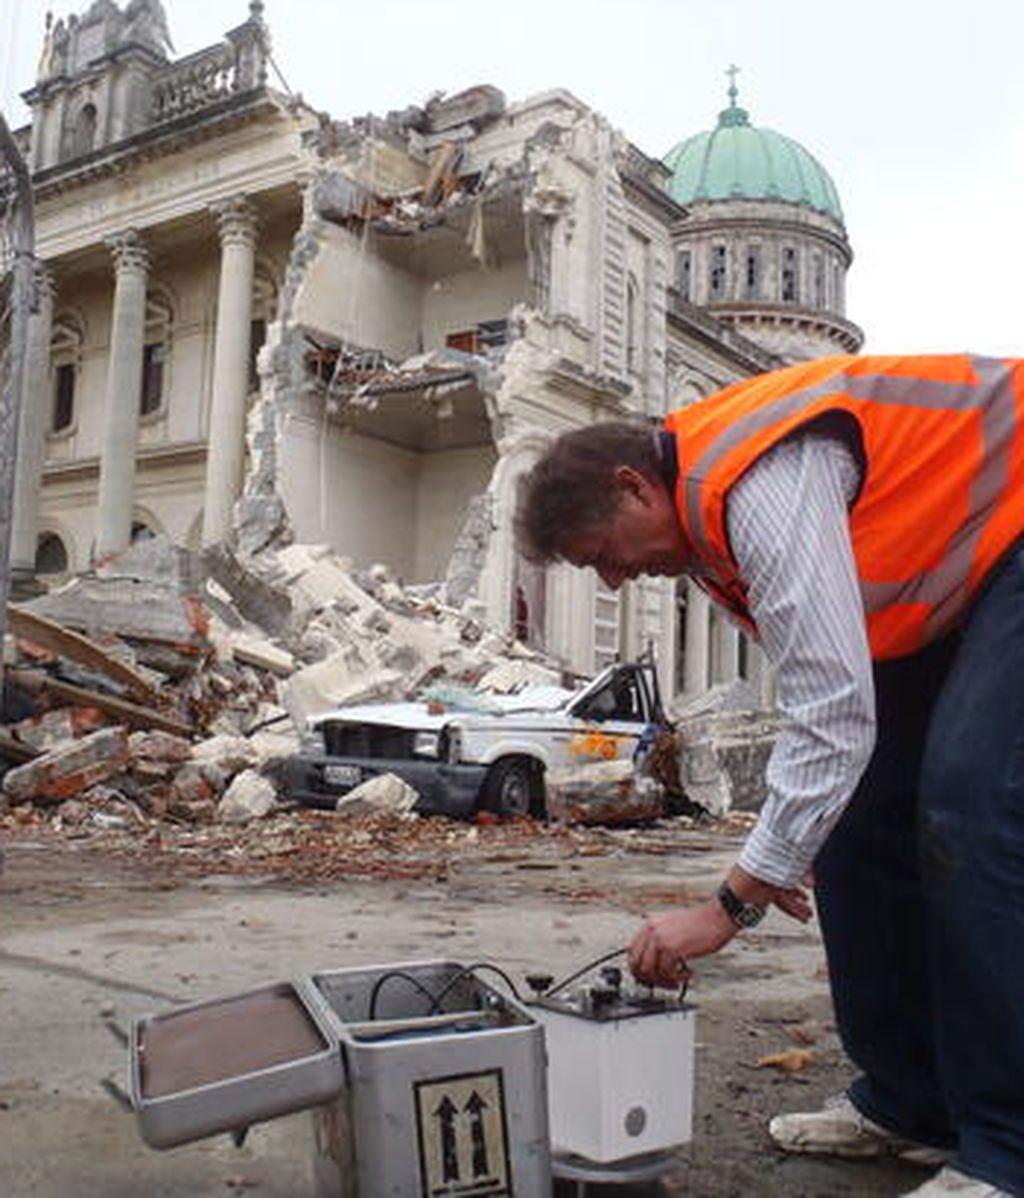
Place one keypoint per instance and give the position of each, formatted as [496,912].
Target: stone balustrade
[208,76]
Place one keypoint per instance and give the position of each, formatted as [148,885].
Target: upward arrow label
[475,1108]
[445,1115]
[460,1123]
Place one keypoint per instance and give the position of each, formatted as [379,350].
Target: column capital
[236,221]
[129,251]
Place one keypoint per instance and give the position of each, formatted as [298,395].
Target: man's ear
[631,482]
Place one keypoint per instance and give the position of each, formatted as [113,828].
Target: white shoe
[952,1181]
[839,1129]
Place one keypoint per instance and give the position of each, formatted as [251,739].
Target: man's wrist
[743,914]
[749,889]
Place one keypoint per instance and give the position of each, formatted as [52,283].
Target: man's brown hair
[573,486]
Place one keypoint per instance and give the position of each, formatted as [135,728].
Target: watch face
[749,916]
[744,915]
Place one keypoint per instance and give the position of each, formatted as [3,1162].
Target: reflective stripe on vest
[904,611]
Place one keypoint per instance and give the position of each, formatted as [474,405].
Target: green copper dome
[738,161]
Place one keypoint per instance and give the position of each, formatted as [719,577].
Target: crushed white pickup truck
[477,751]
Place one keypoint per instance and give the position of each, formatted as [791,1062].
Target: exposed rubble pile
[432,138]
[727,738]
[164,690]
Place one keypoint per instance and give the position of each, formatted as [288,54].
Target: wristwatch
[743,915]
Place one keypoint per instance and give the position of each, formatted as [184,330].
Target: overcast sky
[916,108]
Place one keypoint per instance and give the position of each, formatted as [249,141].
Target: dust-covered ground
[99,929]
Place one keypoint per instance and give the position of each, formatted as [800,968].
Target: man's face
[641,536]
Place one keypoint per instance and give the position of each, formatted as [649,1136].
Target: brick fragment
[69,770]
[159,746]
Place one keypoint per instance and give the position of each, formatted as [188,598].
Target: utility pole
[17,300]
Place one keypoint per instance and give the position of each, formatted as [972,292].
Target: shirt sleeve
[788,523]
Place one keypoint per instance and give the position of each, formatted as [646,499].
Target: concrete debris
[469,554]
[54,728]
[476,106]
[70,769]
[385,793]
[737,696]
[159,747]
[33,627]
[336,682]
[727,739]
[109,807]
[604,792]
[181,684]
[250,796]
[156,560]
[230,754]
[253,651]
[192,784]
[134,609]
[47,691]
[506,677]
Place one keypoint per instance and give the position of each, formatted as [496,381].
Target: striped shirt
[788,525]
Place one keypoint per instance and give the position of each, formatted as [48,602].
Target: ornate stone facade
[356,333]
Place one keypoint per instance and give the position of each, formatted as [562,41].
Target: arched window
[790,275]
[716,290]
[51,554]
[155,353]
[684,266]
[65,363]
[752,279]
[83,139]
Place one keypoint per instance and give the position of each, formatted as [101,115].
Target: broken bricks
[67,771]
[290,631]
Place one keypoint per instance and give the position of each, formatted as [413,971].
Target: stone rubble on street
[163,692]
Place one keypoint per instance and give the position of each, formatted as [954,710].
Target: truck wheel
[513,787]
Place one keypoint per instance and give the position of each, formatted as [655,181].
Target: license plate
[342,775]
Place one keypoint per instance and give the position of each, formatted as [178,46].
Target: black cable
[274,719]
[471,971]
[378,985]
[580,972]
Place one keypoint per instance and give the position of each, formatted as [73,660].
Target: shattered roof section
[354,374]
[441,118]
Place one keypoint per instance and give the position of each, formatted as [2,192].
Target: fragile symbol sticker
[462,1134]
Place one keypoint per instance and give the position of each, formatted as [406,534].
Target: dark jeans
[920,892]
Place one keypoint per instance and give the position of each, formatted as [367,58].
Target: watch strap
[743,915]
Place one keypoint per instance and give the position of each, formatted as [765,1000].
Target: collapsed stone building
[259,324]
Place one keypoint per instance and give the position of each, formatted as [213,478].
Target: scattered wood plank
[124,712]
[58,639]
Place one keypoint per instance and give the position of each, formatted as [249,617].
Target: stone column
[728,650]
[225,461]
[124,390]
[696,663]
[33,419]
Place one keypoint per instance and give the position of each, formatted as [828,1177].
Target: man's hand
[662,947]
[793,901]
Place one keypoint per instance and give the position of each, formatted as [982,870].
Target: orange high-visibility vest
[941,441]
